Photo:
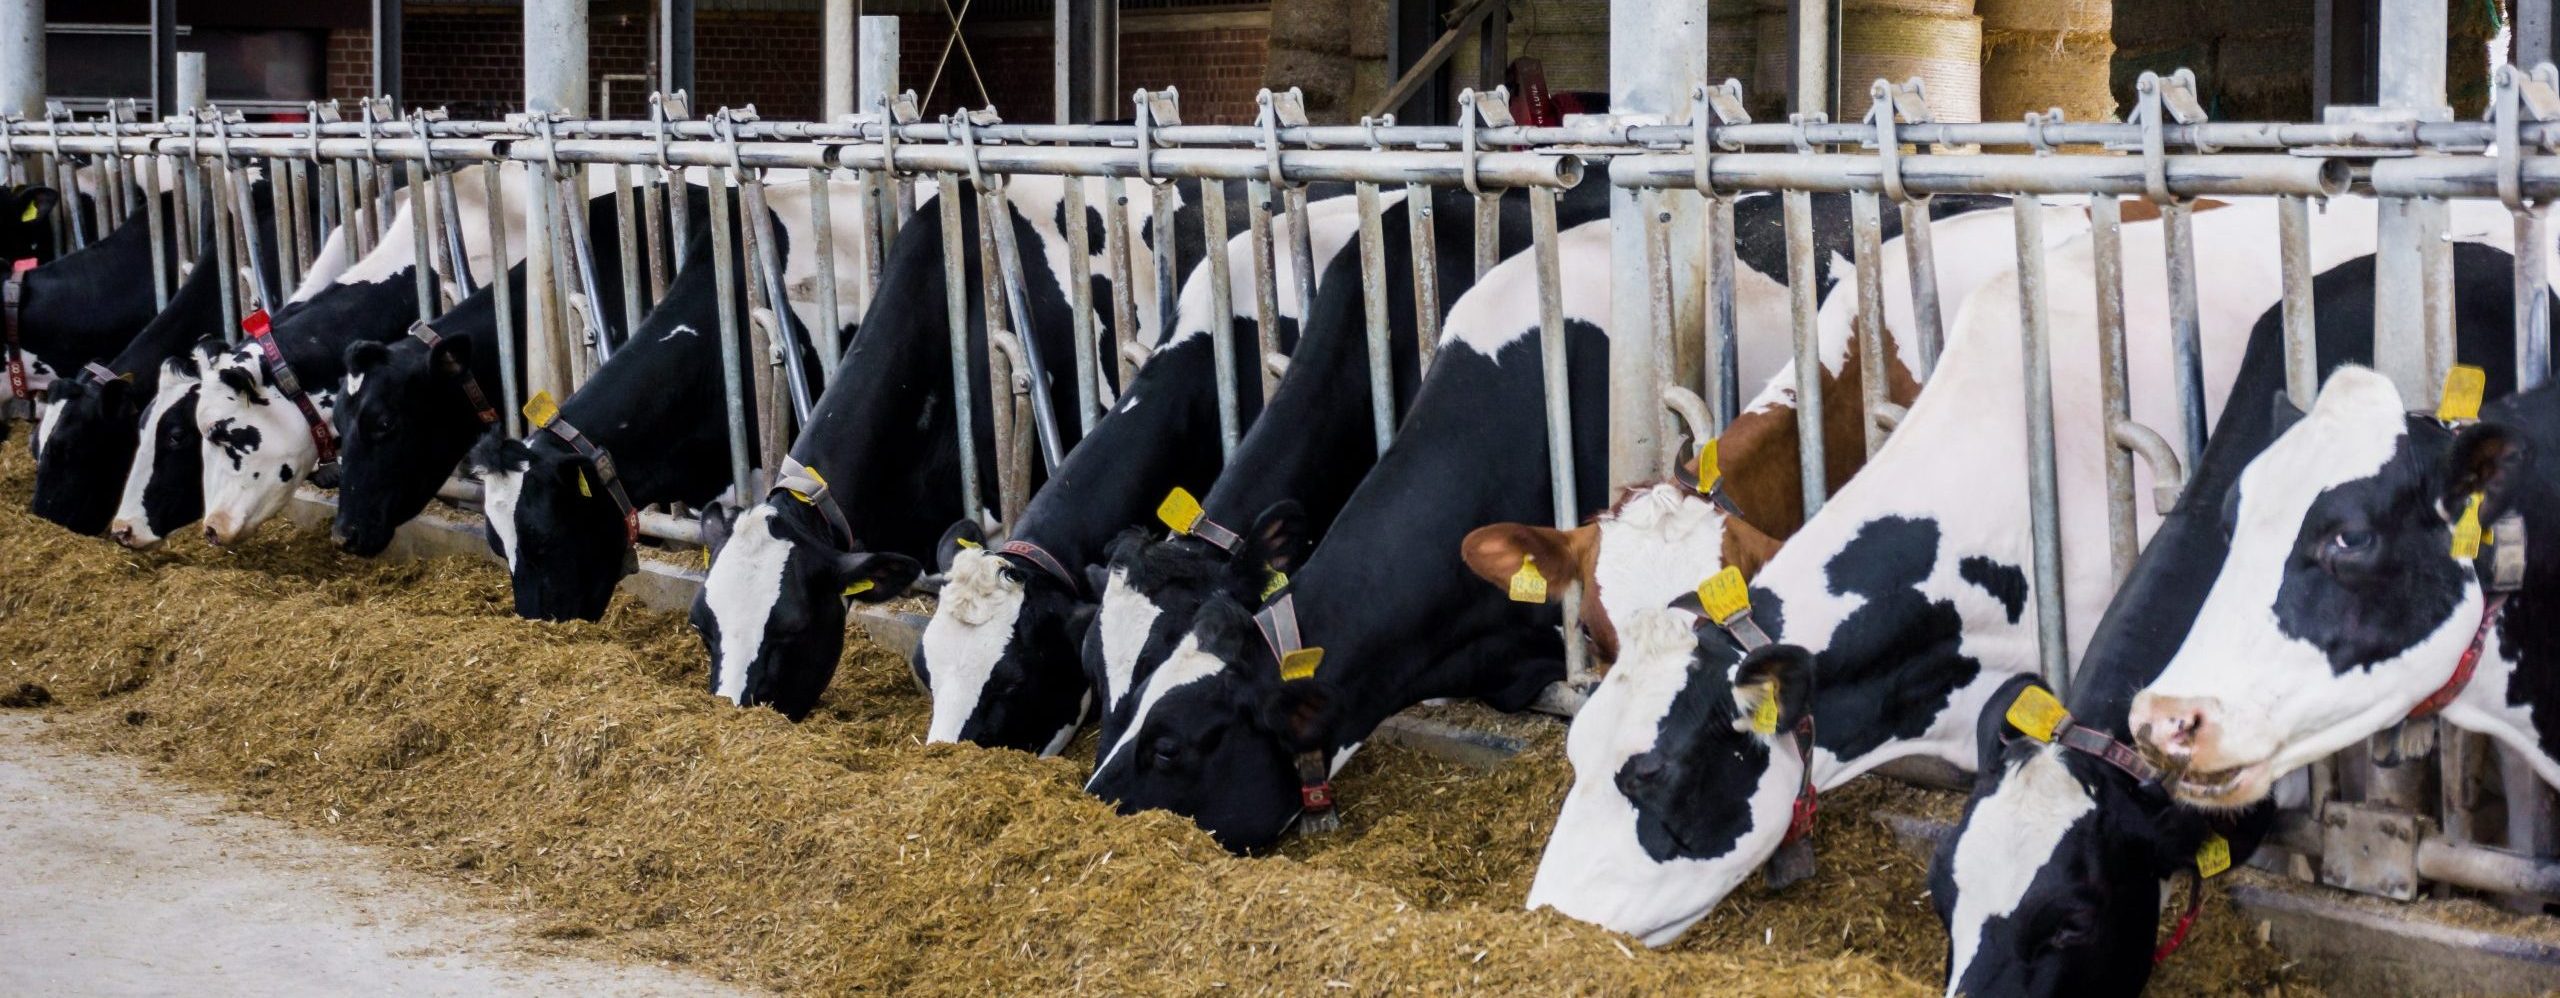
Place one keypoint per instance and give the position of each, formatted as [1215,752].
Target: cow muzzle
[2184,736]
[221,529]
[124,532]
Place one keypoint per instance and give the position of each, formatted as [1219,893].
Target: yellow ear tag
[582,484]
[706,559]
[1300,664]
[1724,594]
[1764,718]
[1527,586]
[858,588]
[30,214]
[540,410]
[1276,582]
[2037,713]
[2213,857]
[2462,388]
[1179,510]
[2466,531]
[1709,473]
[966,543]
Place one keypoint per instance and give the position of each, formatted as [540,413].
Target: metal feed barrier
[331,172]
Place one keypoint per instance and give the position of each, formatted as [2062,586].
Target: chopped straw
[580,773]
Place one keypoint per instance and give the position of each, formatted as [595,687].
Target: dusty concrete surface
[114,883]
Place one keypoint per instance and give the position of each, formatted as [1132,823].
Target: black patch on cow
[236,440]
[284,473]
[1891,666]
[1688,790]
[174,497]
[2004,582]
[2330,594]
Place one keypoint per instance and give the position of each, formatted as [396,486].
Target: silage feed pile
[581,774]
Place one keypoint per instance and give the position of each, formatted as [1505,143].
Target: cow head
[1677,794]
[86,445]
[1656,542]
[1154,585]
[2051,884]
[401,418]
[1001,653]
[257,445]
[1215,734]
[164,488]
[557,527]
[26,222]
[2340,607]
[772,609]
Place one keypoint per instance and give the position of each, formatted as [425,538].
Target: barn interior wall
[2254,60]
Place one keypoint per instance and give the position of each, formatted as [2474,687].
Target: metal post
[822,223]
[837,48]
[878,55]
[1866,221]
[1117,266]
[1426,272]
[724,258]
[1079,236]
[556,83]
[629,247]
[495,215]
[2044,493]
[164,263]
[1266,284]
[2106,242]
[2412,307]
[1722,373]
[2301,335]
[955,295]
[1086,81]
[1808,354]
[1222,315]
[1654,67]
[386,49]
[1373,294]
[1810,44]
[2186,324]
[22,58]
[1558,384]
[675,45]
[1920,254]
[164,58]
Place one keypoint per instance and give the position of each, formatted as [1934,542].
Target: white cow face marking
[1657,544]
[164,490]
[1648,840]
[1993,861]
[741,593]
[1128,617]
[1001,656]
[2338,609]
[257,446]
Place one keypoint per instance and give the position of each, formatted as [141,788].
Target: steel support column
[675,45]
[22,58]
[837,50]
[164,57]
[386,50]
[2413,299]
[1653,70]
[556,83]
[1086,76]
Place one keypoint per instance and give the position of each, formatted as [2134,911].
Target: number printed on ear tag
[1724,594]
[1179,510]
[1300,664]
[540,410]
[1709,474]
[1527,586]
[2213,857]
[1764,718]
[2462,389]
[2036,713]
[2466,531]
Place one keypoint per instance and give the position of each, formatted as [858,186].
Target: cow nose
[2173,727]
[1643,771]
[121,532]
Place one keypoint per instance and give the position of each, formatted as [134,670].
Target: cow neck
[454,372]
[610,477]
[11,291]
[1169,439]
[261,343]
[94,300]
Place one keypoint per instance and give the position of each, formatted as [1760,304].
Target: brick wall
[350,62]
[1218,69]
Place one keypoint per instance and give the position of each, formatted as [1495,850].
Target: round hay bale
[1944,52]
[2024,72]
[1852,10]
[2070,16]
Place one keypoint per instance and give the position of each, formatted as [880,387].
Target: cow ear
[1782,672]
[1221,627]
[1301,713]
[2489,459]
[962,536]
[41,200]
[498,452]
[240,380]
[1280,539]
[717,521]
[1097,578]
[888,575]
[363,357]
[1992,731]
[1496,553]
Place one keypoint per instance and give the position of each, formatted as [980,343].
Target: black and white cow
[2051,884]
[26,222]
[771,612]
[84,306]
[2345,605]
[92,427]
[1001,653]
[659,409]
[1214,729]
[1907,593]
[164,486]
[259,445]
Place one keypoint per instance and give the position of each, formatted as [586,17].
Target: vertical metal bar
[2186,326]
[822,221]
[1009,273]
[494,215]
[724,259]
[164,62]
[164,263]
[1302,246]
[386,49]
[351,224]
[675,46]
[955,295]
[2301,335]
[1488,231]
[1266,285]
[866,240]
[2533,298]
[456,252]
[1079,238]
[627,247]
[1723,354]
[1162,224]
[229,272]
[1557,380]
[1116,250]
[1808,341]
[2106,242]
[1920,256]
[1011,488]
[836,47]
[2412,304]
[582,248]
[1222,312]
[284,202]
[422,236]
[1373,292]
[1659,294]
[2043,492]
[764,341]
[1866,226]
[654,198]
[1426,272]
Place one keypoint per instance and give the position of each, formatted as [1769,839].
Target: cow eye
[2351,540]
[1165,751]
[2072,930]
[1014,575]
